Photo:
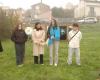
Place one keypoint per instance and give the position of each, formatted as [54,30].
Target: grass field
[90,58]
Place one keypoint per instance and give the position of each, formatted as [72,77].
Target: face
[39,26]
[20,27]
[53,23]
[75,28]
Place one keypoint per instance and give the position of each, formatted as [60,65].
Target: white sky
[27,3]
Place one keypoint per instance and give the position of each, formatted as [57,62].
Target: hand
[52,37]
[36,42]
[68,39]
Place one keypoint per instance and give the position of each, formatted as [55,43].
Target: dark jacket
[1,49]
[19,36]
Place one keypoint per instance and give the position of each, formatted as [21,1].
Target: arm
[42,40]
[80,35]
[33,37]
[48,33]
[69,36]
[26,37]
[43,37]
[13,37]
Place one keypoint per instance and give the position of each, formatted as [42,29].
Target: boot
[41,59]
[35,59]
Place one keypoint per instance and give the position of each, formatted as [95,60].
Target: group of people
[39,39]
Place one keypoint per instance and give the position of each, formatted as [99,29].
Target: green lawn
[90,58]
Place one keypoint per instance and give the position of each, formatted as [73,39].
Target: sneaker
[42,64]
[55,64]
[20,65]
[79,64]
[69,64]
[51,64]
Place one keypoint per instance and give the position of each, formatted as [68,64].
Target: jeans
[70,54]
[56,47]
[20,52]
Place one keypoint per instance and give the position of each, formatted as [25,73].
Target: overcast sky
[27,3]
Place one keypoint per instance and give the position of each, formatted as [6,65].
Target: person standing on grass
[74,38]
[19,37]
[38,37]
[1,48]
[53,34]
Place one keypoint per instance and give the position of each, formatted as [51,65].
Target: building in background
[69,6]
[41,11]
[87,8]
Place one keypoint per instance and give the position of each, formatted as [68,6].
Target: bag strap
[73,36]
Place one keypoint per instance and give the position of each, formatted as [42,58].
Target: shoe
[55,64]
[35,59]
[41,59]
[51,64]
[79,64]
[69,64]
[42,64]
[21,65]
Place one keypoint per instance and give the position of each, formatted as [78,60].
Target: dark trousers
[20,52]
[36,59]
[1,49]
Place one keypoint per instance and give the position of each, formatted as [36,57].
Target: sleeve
[59,31]
[13,37]
[48,33]
[69,36]
[43,36]
[26,37]
[80,35]
[33,37]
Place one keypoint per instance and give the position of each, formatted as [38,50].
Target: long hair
[55,23]
[36,26]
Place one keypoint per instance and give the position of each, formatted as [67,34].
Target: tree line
[62,13]
[7,22]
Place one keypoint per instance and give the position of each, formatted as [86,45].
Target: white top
[75,41]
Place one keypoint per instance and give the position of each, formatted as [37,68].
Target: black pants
[36,59]
[20,52]
[1,49]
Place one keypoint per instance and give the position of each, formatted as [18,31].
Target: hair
[55,23]
[75,25]
[36,26]
[17,26]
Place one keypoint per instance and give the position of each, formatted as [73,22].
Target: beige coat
[38,38]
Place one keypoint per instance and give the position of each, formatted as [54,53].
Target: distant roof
[92,1]
[41,4]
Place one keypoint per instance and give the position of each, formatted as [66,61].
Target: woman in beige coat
[38,37]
